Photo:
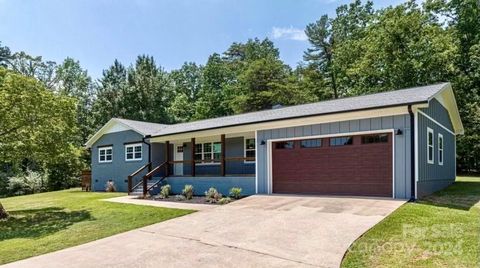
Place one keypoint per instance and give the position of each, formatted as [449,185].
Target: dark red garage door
[349,165]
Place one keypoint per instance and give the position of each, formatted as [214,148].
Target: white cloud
[289,33]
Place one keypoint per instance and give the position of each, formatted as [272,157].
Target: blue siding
[233,148]
[222,184]
[118,169]
[433,177]
[402,145]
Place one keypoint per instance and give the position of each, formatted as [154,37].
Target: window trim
[432,161]
[245,161]
[133,145]
[105,148]
[442,149]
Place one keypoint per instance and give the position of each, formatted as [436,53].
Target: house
[398,144]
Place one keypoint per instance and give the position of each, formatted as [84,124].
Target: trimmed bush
[212,195]
[236,192]
[188,191]
[224,200]
[165,191]
[179,197]
[110,187]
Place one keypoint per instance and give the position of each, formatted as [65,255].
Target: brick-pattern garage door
[350,165]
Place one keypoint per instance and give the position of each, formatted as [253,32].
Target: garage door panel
[357,169]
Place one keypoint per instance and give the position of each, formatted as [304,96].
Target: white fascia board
[113,125]
[447,98]
[310,120]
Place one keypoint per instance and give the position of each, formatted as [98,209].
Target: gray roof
[371,101]
[146,128]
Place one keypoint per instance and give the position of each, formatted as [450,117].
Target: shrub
[29,183]
[236,192]
[224,200]
[188,191]
[165,191]
[179,197]
[212,195]
[110,187]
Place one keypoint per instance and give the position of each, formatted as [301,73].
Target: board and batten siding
[433,177]
[402,166]
[119,169]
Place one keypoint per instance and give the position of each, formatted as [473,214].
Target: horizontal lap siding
[119,169]
[402,145]
[433,177]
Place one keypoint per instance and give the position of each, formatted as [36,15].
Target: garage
[359,165]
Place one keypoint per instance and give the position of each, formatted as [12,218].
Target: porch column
[193,156]
[167,153]
[222,155]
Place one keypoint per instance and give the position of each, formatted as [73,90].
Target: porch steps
[151,184]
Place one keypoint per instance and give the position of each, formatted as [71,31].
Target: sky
[96,32]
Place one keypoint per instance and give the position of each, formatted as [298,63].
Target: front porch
[220,161]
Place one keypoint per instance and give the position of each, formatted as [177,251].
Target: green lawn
[47,222]
[441,230]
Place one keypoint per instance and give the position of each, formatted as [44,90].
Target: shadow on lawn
[461,195]
[39,222]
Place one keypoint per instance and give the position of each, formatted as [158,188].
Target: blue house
[398,144]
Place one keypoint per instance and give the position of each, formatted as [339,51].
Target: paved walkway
[258,231]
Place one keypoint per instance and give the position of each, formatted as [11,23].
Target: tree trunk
[3,212]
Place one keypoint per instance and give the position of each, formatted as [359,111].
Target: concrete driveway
[277,230]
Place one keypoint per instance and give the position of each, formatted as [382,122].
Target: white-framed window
[440,149]
[105,154]
[208,151]
[430,145]
[133,152]
[249,150]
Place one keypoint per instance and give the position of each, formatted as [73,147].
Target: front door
[178,156]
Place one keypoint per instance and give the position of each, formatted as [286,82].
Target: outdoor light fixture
[398,132]
[262,142]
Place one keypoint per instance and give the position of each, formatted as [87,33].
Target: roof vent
[276,106]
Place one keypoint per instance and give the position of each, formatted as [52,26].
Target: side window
[105,154]
[133,152]
[249,149]
[430,159]
[440,149]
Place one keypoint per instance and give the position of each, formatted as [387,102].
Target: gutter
[412,152]
[149,147]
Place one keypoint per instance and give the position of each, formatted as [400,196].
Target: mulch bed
[194,200]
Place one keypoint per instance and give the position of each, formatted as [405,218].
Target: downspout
[412,152]
[149,147]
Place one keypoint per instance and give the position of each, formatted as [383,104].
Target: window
[249,149]
[284,145]
[381,138]
[133,152]
[430,159]
[105,154]
[440,149]
[208,151]
[313,143]
[340,141]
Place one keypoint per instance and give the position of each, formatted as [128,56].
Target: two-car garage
[336,165]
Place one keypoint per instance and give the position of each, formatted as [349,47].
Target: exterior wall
[118,169]
[233,148]
[202,184]
[402,166]
[433,177]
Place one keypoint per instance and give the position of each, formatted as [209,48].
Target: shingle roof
[146,128]
[371,101]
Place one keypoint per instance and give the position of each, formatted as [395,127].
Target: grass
[440,230]
[47,222]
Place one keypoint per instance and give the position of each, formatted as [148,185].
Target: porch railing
[222,168]
[150,174]
[147,166]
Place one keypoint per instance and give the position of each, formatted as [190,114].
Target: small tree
[3,212]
